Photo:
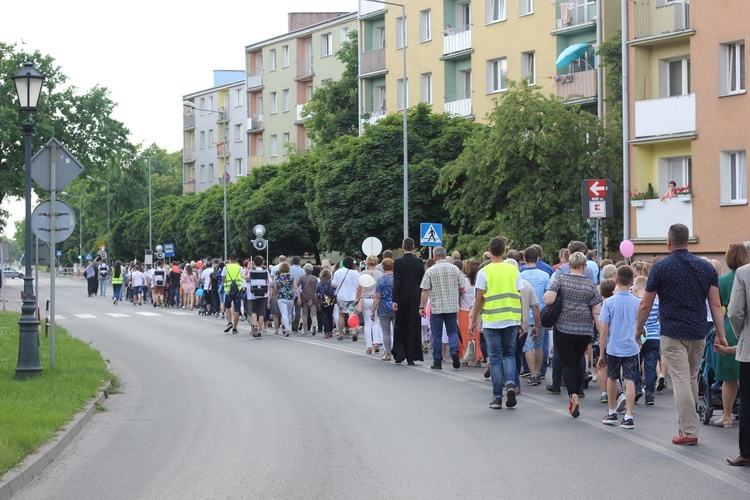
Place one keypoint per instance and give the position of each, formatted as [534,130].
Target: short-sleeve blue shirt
[619,312]
[682,301]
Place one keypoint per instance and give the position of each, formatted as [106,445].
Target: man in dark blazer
[407,333]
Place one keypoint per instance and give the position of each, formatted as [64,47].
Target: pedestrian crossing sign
[430,234]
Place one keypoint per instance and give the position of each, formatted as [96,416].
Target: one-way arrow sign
[596,188]
[596,198]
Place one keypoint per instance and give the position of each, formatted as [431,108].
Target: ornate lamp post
[28,83]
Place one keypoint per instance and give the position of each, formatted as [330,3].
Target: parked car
[9,272]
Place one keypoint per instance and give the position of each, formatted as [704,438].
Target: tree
[332,110]
[520,176]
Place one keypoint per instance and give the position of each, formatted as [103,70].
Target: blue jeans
[501,343]
[102,286]
[650,356]
[545,350]
[117,291]
[451,327]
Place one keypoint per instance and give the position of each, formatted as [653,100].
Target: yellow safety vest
[502,302]
[233,273]
[118,281]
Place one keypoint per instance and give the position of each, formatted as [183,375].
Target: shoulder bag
[550,314]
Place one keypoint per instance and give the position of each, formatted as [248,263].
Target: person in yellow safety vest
[117,278]
[232,274]
[498,300]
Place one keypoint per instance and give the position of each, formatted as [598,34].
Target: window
[733,177]
[211,176]
[426,88]
[259,105]
[379,104]
[238,97]
[238,167]
[203,139]
[464,84]
[309,92]
[238,132]
[272,57]
[674,77]
[464,14]
[210,104]
[274,103]
[425,25]
[273,146]
[528,69]
[326,45]
[285,100]
[495,10]
[210,138]
[677,169]
[525,7]
[732,68]
[344,35]
[259,150]
[203,173]
[403,97]
[259,62]
[286,139]
[285,56]
[400,32]
[380,37]
[497,75]
[203,106]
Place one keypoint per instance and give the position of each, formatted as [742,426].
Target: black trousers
[745,409]
[93,285]
[570,349]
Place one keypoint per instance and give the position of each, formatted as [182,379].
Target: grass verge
[32,410]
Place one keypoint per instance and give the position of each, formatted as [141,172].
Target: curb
[33,465]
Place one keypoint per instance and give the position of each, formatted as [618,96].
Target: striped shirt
[652,323]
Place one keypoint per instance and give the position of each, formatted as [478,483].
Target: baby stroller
[709,390]
[201,293]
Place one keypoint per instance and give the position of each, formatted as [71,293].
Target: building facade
[688,106]
[282,74]
[214,137]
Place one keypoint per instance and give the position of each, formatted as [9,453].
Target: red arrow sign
[597,188]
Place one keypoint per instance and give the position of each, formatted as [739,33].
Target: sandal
[369,350]
[723,422]
[386,357]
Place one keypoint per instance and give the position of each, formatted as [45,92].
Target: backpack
[234,289]
[328,297]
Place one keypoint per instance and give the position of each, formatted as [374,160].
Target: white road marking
[118,315]
[147,313]
[58,317]
[179,313]
[84,316]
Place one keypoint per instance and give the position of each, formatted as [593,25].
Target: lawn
[32,410]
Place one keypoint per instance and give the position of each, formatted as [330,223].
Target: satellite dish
[260,244]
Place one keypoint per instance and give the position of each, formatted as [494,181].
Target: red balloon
[353,321]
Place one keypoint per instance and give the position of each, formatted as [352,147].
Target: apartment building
[688,105]
[214,138]
[462,53]
[282,74]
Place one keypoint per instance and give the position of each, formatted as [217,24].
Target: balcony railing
[457,39]
[255,80]
[301,116]
[668,116]
[570,14]
[254,161]
[304,67]
[255,124]
[188,121]
[222,149]
[188,154]
[371,117]
[459,104]
[653,19]
[577,86]
[188,186]
[372,60]
[367,7]
[655,216]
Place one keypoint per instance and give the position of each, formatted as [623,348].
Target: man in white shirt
[138,279]
[345,281]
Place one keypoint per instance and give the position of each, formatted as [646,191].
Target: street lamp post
[150,219]
[406,138]
[29,83]
[80,228]
[108,215]
[225,175]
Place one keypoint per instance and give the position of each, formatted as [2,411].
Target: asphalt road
[211,415]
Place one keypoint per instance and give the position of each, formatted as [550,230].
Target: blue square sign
[430,234]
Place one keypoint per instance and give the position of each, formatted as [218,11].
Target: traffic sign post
[430,234]
[596,202]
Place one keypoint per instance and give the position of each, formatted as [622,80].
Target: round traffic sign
[372,246]
[41,221]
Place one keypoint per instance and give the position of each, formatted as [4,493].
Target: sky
[147,53]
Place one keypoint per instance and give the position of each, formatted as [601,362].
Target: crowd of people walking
[626,326]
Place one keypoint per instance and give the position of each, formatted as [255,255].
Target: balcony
[222,149]
[188,121]
[188,155]
[654,20]
[372,61]
[457,39]
[459,104]
[188,186]
[255,124]
[665,117]
[223,116]
[254,161]
[372,117]
[255,80]
[654,217]
[569,15]
[301,116]
[576,87]
[304,69]
[366,7]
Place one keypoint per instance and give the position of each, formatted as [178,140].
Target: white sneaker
[621,403]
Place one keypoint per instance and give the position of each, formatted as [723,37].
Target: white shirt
[346,282]
[138,278]
[206,278]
